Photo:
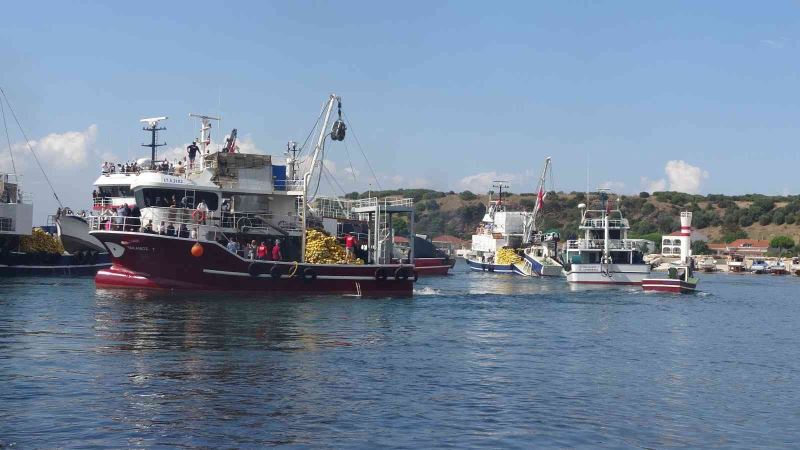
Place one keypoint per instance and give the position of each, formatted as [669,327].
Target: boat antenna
[205,130]
[500,184]
[153,128]
[30,148]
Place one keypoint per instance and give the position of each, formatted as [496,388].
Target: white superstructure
[604,254]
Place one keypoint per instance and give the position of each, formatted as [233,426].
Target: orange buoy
[197,250]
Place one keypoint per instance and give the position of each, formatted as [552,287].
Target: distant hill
[716,217]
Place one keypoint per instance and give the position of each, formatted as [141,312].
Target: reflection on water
[474,360]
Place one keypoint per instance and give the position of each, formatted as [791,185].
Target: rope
[350,125]
[349,161]
[294,270]
[28,143]
[8,139]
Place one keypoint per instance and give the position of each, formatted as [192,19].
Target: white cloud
[482,182]
[775,43]
[352,173]
[681,176]
[653,185]
[68,149]
[684,177]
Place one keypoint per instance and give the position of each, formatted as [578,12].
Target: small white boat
[778,268]
[708,265]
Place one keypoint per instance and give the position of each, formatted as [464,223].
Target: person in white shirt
[202,211]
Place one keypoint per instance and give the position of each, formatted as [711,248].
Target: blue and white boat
[759,267]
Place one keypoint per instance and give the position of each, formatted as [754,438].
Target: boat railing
[186,218]
[600,223]
[599,244]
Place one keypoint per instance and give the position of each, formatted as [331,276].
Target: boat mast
[205,133]
[500,184]
[319,151]
[530,226]
[153,128]
[604,206]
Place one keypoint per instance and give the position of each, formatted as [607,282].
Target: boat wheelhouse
[604,254]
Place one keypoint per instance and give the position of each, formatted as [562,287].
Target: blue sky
[441,95]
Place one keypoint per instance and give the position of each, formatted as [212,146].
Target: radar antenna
[153,128]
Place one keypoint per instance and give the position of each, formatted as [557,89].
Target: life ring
[401,274]
[380,273]
[198,216]
[255,269]
[309,274]
[275,271]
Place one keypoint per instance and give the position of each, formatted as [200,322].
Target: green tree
[733,235]
[781,242]
[644,194]
[700,248]
[779,217]
[467,196]
[766,219]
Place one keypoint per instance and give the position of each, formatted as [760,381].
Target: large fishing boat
[510,241]
[499,233]
[604,254]
[190,225]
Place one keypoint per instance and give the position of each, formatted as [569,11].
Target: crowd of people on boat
[266,250]
[175,167]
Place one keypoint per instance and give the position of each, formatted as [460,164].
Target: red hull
[668,285]
[151,261]
[433,266]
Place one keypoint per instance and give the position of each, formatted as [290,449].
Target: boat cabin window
[114,191]
[184,198]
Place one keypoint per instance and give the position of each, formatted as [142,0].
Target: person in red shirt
[276,251]
[349,245]
[261,251]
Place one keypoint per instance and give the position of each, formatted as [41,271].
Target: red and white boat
[189,224]
[678,281]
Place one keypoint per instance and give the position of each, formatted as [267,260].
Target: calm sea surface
[472,360]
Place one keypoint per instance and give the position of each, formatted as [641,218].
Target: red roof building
[744,247]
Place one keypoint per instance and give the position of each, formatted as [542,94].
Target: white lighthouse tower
[686,236]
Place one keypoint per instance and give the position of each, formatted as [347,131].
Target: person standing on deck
[192,150]
[276,251]
[261,251]
[349,245]
[202,211]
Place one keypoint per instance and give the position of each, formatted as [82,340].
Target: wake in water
[427,290]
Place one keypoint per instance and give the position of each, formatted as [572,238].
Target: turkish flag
[540,199]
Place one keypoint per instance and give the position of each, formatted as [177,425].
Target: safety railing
[599,244]
[600,223]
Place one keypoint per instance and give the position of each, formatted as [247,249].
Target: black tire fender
[92,257]
[255,269]
[401,274]
[416,276]
[380,273]
[275,271]
[309,274]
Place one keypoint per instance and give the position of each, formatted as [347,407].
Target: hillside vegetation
[716,217]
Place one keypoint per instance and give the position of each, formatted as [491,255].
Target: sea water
[474,360]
